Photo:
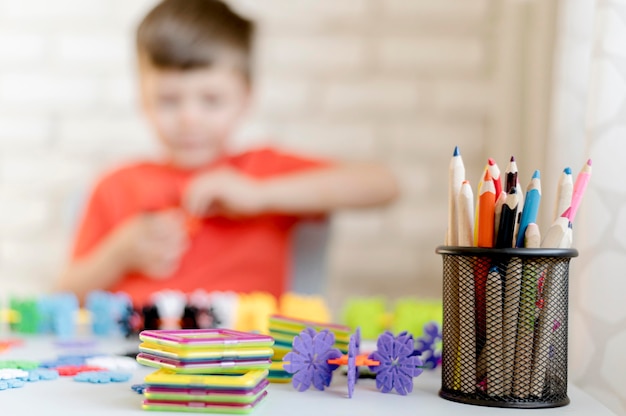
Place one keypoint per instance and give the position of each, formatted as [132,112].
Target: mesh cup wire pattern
[505,326]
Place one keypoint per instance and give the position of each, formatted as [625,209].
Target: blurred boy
[204,218]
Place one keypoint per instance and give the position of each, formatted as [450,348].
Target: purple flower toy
[308,361]
[397,365]
[313,360]
[428,346]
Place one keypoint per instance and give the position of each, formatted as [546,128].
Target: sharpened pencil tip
[536,174]
[512,158]
[589,162]
[465,182]
[567,170]
[457,152]
[491,161]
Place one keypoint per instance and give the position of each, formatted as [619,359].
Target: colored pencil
[520,208]
[508,217]
[531,207]
[510,175]
[465,215]
[493,347]
[557,235]
[479,187]
[564,193]
[485,227]
[512,290]
[500,200]
[456,176]
[579,189]
[486,212]
[465,368]
[494,170]
[526,320]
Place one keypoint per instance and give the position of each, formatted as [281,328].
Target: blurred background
[397,81]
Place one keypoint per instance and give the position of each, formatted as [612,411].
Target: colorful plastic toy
[408,314]
[107,311]
[102,377]
[308,361]
[205,351]
[314,359]
[240,393]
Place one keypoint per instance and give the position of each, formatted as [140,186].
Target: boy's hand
[225,192]
[153,243]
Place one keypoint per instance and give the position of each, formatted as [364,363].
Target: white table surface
[66,397]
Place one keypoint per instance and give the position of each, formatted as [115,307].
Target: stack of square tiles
[207,370]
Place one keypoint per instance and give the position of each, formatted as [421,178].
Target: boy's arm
[348,185]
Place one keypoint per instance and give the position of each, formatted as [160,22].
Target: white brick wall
[391,80]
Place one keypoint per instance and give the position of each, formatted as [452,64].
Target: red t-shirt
[242,255]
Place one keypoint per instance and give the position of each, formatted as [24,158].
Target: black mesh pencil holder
[505,315]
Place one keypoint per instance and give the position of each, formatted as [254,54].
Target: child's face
[193,112]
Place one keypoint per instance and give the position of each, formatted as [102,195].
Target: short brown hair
[191,34]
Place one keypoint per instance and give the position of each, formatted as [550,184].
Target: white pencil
[456,176]
[493,347]
[465,215]
[564,193]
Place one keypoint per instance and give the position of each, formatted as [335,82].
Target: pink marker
[579,189]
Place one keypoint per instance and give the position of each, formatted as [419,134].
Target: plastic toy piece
[353,351]
[206,338]
[11,384]
[203,367]
[107,311]
[171,305]
[57,314]
[72,370]
[298,306]
[102,377]
[42,374]
[67,360]
[188,394]
[414,315]
[428,346]
[254,310]
[19,364]
[308,362]
[25,315]
[278,374]
[11,373]
[209,353]
[139,388]
[9,343]
[75,343]
[113,363]
[367,314]
[398,365]
[248,380]
[199,407]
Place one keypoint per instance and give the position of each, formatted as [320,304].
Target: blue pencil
[531,207]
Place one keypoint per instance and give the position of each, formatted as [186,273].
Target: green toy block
[28,315]
[366,313]
[412,314]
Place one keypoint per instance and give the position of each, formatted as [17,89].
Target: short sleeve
[95,224]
